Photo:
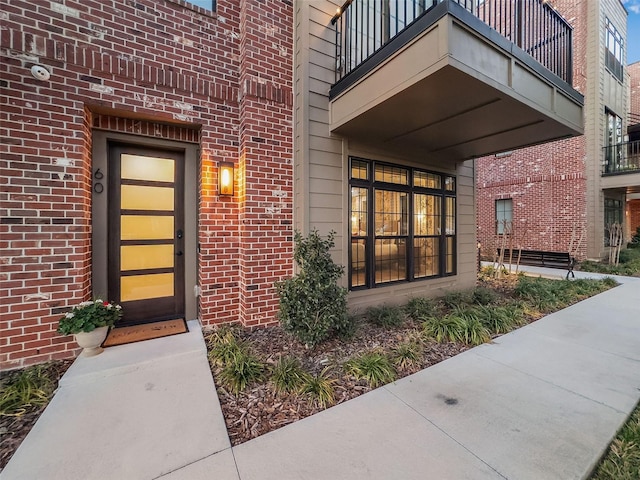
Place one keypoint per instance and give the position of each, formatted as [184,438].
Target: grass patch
[25,389]
[287,375]
[622,461]
[224,352]
[501,319]
[550,295]
[474,332]
[241,370]
[629,264]
[407,355]
[448,328]
[373,367]
[320,389]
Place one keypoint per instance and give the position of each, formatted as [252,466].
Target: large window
[612,218]
[613,140]
[403,224]
[504,216]
[614,57]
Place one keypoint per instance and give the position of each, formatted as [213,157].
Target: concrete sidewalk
[542,402]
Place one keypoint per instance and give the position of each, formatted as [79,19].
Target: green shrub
[312,304]
[373,367]
[288,375]
[444,329]
[30,387]
[420,308]
[241,370]
[319,388]
[484,296]
[407,355]
[385,316]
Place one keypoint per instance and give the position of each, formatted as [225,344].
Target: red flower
[105,303]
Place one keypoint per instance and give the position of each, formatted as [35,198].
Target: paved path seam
[444,432]
[548,382]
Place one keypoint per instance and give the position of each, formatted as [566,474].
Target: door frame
[99,211]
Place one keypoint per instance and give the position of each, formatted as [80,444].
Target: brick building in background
[633,198]
[561,196]
[120,120]
[142,79]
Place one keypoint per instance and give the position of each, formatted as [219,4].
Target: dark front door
[146,232]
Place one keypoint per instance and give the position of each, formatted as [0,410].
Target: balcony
[453,79]
[621,167]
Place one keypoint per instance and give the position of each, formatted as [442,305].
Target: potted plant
[89,322]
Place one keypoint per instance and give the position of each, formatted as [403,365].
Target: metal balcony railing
[622,158]
[365,26]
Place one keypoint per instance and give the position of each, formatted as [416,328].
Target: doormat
[147,331]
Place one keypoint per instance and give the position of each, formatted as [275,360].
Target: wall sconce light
[225,178]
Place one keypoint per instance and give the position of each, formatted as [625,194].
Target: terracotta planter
[91,341]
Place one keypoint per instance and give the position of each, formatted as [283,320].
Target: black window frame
[446,258]
[613,207]
[500,227]
[613,51]
[613,140]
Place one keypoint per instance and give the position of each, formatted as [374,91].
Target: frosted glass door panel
[146,227]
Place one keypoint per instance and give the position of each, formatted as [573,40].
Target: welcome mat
[147,331]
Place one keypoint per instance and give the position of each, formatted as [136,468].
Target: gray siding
[321,177]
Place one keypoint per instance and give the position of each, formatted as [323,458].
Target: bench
[539,258]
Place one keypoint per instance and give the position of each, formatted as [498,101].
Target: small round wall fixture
[40,73]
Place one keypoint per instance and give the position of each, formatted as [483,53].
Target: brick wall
[634,83]
[153,68]
[547,183]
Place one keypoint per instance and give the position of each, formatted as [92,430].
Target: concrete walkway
[540,403]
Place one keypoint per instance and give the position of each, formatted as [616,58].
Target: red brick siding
[634,83]
[152,68]
[548,197]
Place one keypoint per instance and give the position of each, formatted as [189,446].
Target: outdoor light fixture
[225,178]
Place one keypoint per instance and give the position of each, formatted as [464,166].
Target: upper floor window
[613,151]
[613,51]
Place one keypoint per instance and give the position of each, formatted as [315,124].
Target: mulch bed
[13,429]
[260,409]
